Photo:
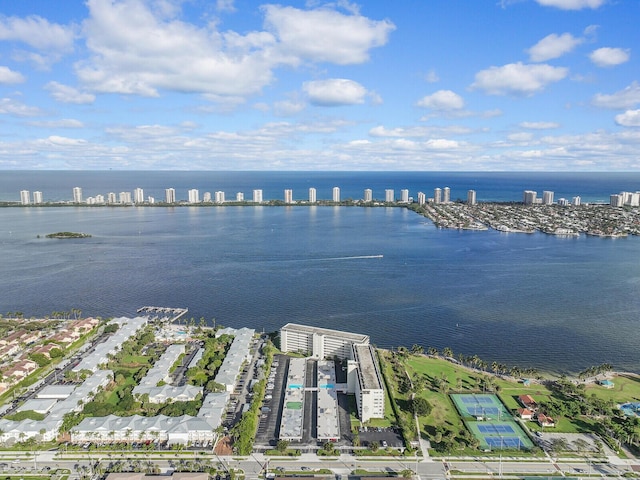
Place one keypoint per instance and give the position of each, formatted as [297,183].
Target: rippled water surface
[559,304]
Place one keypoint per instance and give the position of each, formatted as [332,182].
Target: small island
[68,235]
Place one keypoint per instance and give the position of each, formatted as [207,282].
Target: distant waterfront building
[288,196]
[437,195]
[368,195]
[240,197]
[219,197]
[25,197]
[389,195]
[576,200]
[170,195]
[563,202]
[37,197]
[471,197]
[547,197]
[194,195]
[446,195]
[111,197]
[138,195]
[312,195]
[151,200]
[616,200]
[632,199]
[529,197]
[206,198]
[99,199]
[336,194]
[125,197]
[257,196]
[422,198]
[404,195]
[77,195]
[319,342]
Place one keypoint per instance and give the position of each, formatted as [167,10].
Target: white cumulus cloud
[572,4]
[539,125]
[609,57]
[553,46]
[67,94]
[442,100]
[324,35]
[629,97]
[630,118]
[518,78]
[9,106]
[8,76]
[334,92]
[37,32]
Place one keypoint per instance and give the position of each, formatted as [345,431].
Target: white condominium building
[529,197]
[206,197]
[288,196]
[138,195]
[547,197]
[446,195]
[404,195]
[240,197]
[37,197]
[125,197]
[471,197]
[368,195]
[77,195]
[319,342]
[389,195]
[422,198]
[25,197]
[364,378]
[219,196]
[312,195]
[170,195]
[257,196]
[111,197]
[437,195]
[336,194]
[194,196]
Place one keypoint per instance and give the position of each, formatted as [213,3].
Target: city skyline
[510,85]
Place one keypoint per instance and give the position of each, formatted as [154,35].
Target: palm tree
[447,352]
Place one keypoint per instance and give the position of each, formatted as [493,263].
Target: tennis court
[499,435]
[480,405]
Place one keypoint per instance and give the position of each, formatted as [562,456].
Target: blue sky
[450,85]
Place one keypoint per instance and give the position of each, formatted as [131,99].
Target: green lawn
[626,389]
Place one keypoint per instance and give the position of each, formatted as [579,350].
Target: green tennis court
[480,406]
[501,435]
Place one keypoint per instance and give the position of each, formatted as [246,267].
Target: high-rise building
[336,194]
[404,195]
[437,195]
[257,196]
[151,200]
[446,195]
[547,197]
[37,197]
[240,197]
[99,199]
[111,197]
[368,195]
[170,195]
[77,195]
[312,195]
[422,198]
[288,196]
[577,201]
[206,198]
[389,195]
[219,196]
[616,200]
[125,197]
[138,195]
[194,195]
[25,197]
[529,197]
[563,202]
[471,197]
